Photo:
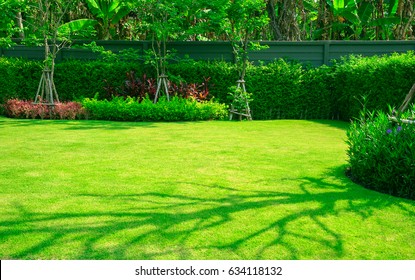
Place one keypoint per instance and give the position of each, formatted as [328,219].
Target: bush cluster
[382,154]
[279,89]
[177,109]
[25,109]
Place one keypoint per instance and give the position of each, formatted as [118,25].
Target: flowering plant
[382,154]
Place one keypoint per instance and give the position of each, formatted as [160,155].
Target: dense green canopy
[202,20]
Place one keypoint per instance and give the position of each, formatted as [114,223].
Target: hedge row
[379,80]
[280,89]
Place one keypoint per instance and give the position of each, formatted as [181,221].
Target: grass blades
[200,190]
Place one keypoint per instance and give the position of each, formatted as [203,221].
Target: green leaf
[95,8]
[353,18]
[76,26]
[365,12]
[338,4]
[122,12]
[393,7]
[114,6]
[384,21]
[309,7]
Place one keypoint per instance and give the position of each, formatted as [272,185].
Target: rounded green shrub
[382,154]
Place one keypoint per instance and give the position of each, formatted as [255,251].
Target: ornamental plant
[382,154]
[26,109]
[141,88]
[68,111]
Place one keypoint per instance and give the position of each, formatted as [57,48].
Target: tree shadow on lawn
[155,225]
[74,124]
[84,124]
[343,125]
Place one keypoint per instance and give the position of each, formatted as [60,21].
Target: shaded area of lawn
[183,226]
[260,213]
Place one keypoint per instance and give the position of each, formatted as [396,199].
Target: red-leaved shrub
[143,87]
[26,109]
[69,110]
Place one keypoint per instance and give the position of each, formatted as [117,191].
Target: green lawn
[202,190]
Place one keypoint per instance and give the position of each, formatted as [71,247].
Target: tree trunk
[19,19]
[287,20]
[273,24]
[324,21]
[406,14]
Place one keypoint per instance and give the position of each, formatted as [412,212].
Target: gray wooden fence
[315,53]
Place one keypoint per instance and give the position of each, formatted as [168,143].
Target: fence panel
[315,53]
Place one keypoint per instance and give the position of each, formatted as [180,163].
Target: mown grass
[201,190]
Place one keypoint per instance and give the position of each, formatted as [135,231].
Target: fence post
[144,46]
[326,53]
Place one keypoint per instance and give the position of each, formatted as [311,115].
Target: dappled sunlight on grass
[319,221]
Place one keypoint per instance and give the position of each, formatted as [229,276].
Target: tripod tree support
[396,114]
[46,92]
[162,84]
[241,101]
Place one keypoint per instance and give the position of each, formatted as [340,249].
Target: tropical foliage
[341,19]
[193,20]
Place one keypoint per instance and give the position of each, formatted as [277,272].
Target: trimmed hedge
[279,89]
[19,78]
[381,81]
[177,109]
[222,75]
[76,80]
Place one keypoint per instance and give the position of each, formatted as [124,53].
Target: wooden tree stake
[46,92]
[247,111]
[162,83]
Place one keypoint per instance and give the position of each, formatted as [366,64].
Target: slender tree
[164,19]
[246,20]
[284,21]
[55,35]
